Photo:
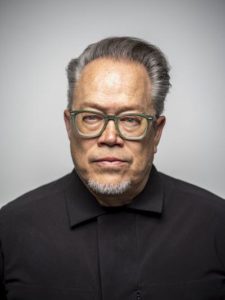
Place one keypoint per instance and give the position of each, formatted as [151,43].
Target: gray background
[38,38]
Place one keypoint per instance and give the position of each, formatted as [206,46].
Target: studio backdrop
[38,38]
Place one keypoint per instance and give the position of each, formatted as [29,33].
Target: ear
[68,123]
[159,125]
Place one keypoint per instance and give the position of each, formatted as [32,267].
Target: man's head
[127,80]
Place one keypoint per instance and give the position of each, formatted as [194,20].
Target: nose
[110,136]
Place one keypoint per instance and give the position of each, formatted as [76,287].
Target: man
[115,228]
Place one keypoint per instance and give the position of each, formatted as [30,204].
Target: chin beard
[109,188]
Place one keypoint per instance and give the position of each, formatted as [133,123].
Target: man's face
[114,87]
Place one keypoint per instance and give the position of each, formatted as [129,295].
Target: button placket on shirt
[118,255]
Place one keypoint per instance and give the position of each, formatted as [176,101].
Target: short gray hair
[127,48]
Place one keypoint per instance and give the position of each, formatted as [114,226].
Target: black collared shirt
[58,243]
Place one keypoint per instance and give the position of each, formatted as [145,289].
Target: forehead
[108,82]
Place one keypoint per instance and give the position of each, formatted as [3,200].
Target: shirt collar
[82,205]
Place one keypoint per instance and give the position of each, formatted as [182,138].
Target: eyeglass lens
[91,124]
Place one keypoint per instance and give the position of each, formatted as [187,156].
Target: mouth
[110,161]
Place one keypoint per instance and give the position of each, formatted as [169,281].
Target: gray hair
[127,48]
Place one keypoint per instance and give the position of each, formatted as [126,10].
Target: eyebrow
[104,109]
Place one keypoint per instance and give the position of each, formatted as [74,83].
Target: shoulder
[36,198]
[194,196]
[199,211]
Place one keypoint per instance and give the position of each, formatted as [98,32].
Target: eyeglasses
[90,124]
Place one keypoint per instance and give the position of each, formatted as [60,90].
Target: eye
[131,121]
[91,118]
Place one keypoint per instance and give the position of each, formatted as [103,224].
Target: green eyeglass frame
[107,118]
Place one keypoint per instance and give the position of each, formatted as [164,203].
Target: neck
[112,200]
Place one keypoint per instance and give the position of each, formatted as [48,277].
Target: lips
[111,161]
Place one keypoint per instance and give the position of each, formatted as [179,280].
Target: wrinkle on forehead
[106,78]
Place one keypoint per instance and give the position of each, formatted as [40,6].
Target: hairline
[125,60]
[127,49]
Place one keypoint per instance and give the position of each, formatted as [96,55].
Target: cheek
[143,156]
[80,150]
